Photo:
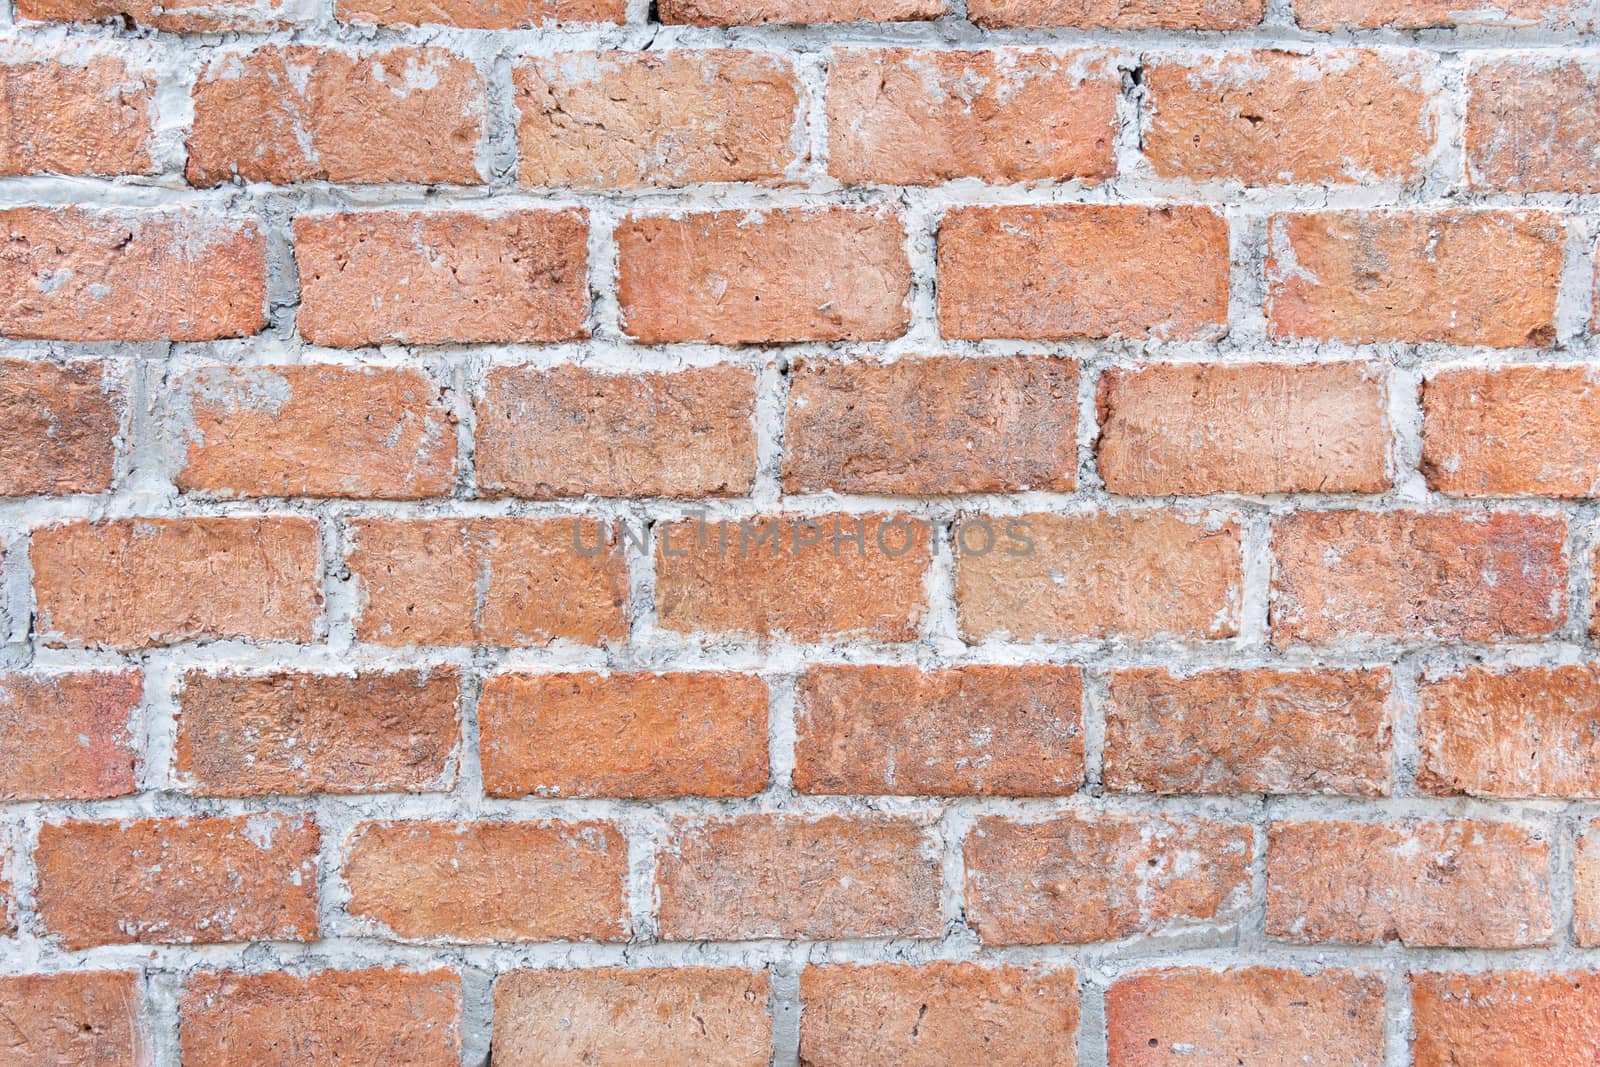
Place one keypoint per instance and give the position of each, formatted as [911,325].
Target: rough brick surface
[1486,1020]
[64,117]
[1512,431]
[79,1019]
[1425,14]
[759,12]
[471,15]
[69,736]
[1531,126]
[1586,879]
[59,424]
[1118,14]
[174,16]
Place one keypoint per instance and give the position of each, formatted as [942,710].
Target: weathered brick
[77,274]
[1425,14]
[1586,889]
[1351,575]
[73,1019]
[761,12]
[489,881]
[1461,277]
[1243,428]
[1248,731]
[295,733]
[69,736]
[1134,576]
[316,431]
[624,735]
[509,582]
[473,15]
[1530,126]
[918,117]
[1081,878]
[622,120]
[175,16]
[932,425]
[1512,431]
[65,115]
[569,431]
[59,426]
[1118,14]
[1065,271]
[178,881]
[976,730]
[737,277]
[424,278]
[139,583]
[1459,883]
[779,876]
[612,1015]
[1506,1018]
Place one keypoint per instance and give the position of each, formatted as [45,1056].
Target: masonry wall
[1158,442]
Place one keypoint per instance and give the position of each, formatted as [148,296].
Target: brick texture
[1479,1020]
[64,117]
[83,1019]
[59,424]
[69,736]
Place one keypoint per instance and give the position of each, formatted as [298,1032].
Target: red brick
[1065,271]
[1459,883]
[508,582]
[779,876]
[804,579]
[568,431]
[298,114]
[490,881]
[938,1014]
[622,120]
[1081,878]
[1530,126]
[1512,431]
[175,16]
[613,1015]
[1414,575]
[1425,14]
[76,274]
[69,736]
[425,278]
[1190,1017]
[297,733]
[1459,277]
[139,583]
[1243,428]
[64,115]
[977,730]
[1586,878]
[761,12]
[472,15]
[316,431]
[59,424]
[907,116]
[741,277]
[624,735]
[932,425]
[178,881]
[1505,1019]
[1276,118]
[1248,731]
[1135,576]
[1118,14]
[374,1016]
[73,1019]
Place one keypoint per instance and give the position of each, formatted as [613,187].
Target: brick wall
[372,691]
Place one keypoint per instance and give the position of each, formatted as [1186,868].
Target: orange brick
[178,881]
[67,116]
[423,278]
[1425,14]
[175,16]
[622,120]
[1586,878]
[1243,428]
[69,736]
[298,114]
[1512,431]
[296,733]
[938,1013]
[1414,575]
[978,730]
[139,583]
[73,1019]
[932,425]
[1118,14]
[737,277]
[614,1015]
[1081,878]
[385,1015]
[1460,883]
[624,735]
[1530,126]
[779,876]
[490,881]
[1201,1018]
[1248,731]
[76,274]
[1460,277]
[805,579]
[761,12]
[1134,576]
[316,431]
[1280,118]
[472,15]
[1065,271]
[918,117]
[59,424]
[569,431]
[1505,1019]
